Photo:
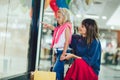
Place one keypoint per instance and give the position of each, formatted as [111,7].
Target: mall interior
[25,45]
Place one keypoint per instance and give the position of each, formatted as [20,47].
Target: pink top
[59,30]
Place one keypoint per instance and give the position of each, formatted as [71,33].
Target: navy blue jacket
[90,53]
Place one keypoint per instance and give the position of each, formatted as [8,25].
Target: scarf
[59,30]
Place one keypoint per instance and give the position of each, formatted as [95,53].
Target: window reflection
[14,36]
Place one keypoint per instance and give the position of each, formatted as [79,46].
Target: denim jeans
[59,65]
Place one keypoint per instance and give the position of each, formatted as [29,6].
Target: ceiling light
[104,17]
[112,27]
[91,16]
[78,15]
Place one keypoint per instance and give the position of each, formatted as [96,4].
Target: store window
[14,36]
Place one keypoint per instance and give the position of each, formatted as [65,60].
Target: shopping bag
[44,75]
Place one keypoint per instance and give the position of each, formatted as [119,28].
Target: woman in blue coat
[87,53]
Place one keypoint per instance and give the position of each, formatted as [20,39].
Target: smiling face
[82,30]
[89,29]
[63,15]
[60,18]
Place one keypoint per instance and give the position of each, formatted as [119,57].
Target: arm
[67,39]
[51,27]
[92,56]
[69,56]
[94,53]
[66,44]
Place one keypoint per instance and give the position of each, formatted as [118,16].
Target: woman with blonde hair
[61,40]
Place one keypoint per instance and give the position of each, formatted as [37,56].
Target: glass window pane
[14,36]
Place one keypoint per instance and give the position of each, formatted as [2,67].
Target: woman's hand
[69,56]
[66,57]
[62,57]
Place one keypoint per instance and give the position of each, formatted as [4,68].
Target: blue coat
[91,54]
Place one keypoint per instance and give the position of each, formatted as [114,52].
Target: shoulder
[68,24]
[96,42]
[76,36]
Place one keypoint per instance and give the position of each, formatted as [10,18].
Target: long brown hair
[92,29]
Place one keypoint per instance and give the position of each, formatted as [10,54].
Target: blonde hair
[66,13]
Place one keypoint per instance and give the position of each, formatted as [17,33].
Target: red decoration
[54,6]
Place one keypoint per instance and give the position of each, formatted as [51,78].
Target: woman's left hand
[62,57]
[69,56]
[66,57]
